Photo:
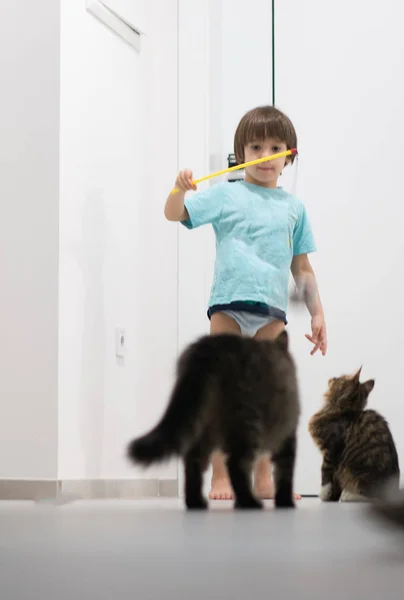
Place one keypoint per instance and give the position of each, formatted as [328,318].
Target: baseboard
[88,489]
[20,489]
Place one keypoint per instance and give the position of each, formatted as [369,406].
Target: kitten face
[348,393]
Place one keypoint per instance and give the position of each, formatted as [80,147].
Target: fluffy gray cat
[236,395]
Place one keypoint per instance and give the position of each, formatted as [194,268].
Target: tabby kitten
[233,394]
[359,454]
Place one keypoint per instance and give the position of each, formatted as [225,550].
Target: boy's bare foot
[264,490]
[221,489]
[267,492]
[264,487]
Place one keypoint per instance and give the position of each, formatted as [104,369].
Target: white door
[338,75]
[118,255]
[216,42]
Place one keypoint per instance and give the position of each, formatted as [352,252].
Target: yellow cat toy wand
[247,164]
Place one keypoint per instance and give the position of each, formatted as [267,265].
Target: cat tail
[183,419]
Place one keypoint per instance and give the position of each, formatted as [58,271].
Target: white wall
[339,72]
[118,256]
[29,165]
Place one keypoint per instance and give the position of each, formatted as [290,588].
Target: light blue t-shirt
[258,232]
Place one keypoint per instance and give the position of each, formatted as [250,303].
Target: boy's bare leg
[263,484]
[221,487]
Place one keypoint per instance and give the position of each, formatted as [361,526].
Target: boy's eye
[276,148]
[256,147]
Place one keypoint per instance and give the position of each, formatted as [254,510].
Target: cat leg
[284,463]
[336,489]
[331,492]
[347,496]
[357,485]
[196,462]
[330,487]
[239,469]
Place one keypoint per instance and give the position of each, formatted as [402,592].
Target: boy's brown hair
[260,124]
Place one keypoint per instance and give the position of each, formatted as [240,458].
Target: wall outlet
[120,342]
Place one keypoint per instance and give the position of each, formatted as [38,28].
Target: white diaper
[248,322]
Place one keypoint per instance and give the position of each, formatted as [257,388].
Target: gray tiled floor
[153,549]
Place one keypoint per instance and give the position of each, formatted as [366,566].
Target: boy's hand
[184,181]
[318,335]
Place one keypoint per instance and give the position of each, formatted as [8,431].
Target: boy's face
[266,173]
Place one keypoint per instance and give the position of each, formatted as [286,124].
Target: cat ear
[358,374]
[283,340]
[368,386]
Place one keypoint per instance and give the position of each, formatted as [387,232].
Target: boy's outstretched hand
[318,335]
